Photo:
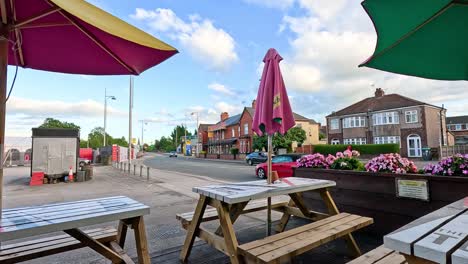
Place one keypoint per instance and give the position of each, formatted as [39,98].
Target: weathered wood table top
[441,236]
[232,193]
[36,220]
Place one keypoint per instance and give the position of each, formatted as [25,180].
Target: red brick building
[203,137]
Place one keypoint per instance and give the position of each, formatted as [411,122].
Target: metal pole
[270,146]
[105,115]
[142,129]
[130,106]
[3,90]
[198,138]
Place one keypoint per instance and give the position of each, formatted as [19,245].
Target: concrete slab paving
[167,194]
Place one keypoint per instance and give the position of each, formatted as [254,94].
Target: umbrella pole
[270,146]
[3,84]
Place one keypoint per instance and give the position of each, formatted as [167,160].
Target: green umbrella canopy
[424,38]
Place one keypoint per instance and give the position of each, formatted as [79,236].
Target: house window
[222,134]
[458,127]
[233,132]
[334,124]
[385,118]
[411,116]
[355,141]
[355,121]
[246,128]
[335,141]
[387,140]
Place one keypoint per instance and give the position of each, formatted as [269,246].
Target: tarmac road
[219,170]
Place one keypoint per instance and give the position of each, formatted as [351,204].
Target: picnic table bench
[229,201]
[439,237]
[69,217]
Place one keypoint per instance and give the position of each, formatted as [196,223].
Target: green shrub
[347,163]
[234,151]
[367,149]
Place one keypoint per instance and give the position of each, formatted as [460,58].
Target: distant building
[202,133]
[391,118]
[458,126]
[236,131]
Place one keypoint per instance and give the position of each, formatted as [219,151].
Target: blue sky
[222,44]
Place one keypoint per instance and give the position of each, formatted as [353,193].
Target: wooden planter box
[374,195]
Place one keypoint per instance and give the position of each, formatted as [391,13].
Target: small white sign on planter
[414,189]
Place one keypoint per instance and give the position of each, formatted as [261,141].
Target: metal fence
[447,151]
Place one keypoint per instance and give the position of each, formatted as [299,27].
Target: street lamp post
[105,112]
[198,133]
[143,123]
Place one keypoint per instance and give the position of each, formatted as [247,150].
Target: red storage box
[37,178]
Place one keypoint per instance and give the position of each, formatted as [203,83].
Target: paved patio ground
[167,193]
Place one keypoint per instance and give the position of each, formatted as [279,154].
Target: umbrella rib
[36,17]
[99,44]
[17,35]
[407,35]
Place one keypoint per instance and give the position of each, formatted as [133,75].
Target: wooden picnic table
[69,217]
[439,237]
[231,200]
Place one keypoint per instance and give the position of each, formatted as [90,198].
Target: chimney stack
[224,116]
[254,104]
[379,92]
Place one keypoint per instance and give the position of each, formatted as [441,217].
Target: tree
[195,132]
[83,143]
[296,134]
[119,141]
[321,135]
[96,138]
[178,132]
[55,123]
[166,144]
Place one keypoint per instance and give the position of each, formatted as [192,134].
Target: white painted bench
[439,237]
[69,217]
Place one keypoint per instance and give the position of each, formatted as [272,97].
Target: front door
[414,146]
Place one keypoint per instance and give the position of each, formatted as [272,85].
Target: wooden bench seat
[211,213]
[380,255]
[283,246]
[18,252]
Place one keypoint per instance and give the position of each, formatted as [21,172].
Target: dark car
[256,157]
[283,164]
[173,154]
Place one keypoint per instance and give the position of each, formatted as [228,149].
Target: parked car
[256,157]
[172,154]
[283,164]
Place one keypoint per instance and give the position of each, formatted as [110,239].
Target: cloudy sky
[222,44]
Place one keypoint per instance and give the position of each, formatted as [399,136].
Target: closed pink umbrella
[70,36]
[273,112]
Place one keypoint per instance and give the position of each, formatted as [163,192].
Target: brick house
[458,126]
[224,135]
[203,137]
[391,118]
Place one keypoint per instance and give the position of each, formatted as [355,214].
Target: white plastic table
[231,199]
[439,237]
[68,217]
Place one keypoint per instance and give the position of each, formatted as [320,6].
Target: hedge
[367,149]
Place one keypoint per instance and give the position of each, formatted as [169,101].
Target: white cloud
[280,4]
[220,88]
[326,46]
[208,44]
[34,107]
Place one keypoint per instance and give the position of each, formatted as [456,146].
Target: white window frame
[335,141]
[385,118]
[458,127]
[411,116]
[334,124]
[387,140]
[233,132]
[418,152]
[222,134]
[354,121]
[355,141]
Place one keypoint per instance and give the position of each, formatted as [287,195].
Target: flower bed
[370,190]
